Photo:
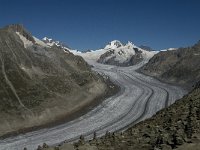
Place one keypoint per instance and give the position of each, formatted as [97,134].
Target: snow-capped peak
[117,53]
[47,39]
[50,42]
[130,45]
[113,45]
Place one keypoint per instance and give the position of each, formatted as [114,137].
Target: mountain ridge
[176,66]
[123,54]
[51,42]
[39,82]
[116,53]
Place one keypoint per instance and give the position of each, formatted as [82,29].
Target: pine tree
[94,136]
[188,127]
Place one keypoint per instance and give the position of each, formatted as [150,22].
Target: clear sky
[90,24]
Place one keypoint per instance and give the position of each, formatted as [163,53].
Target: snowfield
[139,98]
[115,50]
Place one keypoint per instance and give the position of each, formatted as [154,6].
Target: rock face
[174,127]
[19,28]
[177,66]
[40,83]
[123,55]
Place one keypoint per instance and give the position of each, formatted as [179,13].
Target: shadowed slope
[177,66]
[39,84]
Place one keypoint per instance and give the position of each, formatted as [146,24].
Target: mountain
[40,82]
[116,53]
[114,45]
[50,42]
[176,66]
[123,55]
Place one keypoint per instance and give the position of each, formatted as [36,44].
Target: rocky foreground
[176,127]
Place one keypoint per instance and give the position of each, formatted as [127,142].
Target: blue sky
[90,24]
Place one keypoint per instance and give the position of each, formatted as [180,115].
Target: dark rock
[45,145]
[165,147]
[39,147]
[176,66]
[20,28]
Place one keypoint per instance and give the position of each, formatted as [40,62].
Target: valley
[44,83]
[140,97]
[100,75]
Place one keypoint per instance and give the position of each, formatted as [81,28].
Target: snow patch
[169,49]
[26,42]
[50,42]
[92,55]
[39,42]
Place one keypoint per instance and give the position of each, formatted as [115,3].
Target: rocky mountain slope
[40,82]
[177,66]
